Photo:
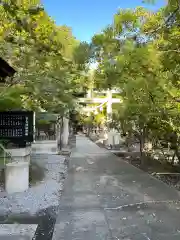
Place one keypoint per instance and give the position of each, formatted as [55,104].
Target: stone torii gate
[110,137]
[109,100]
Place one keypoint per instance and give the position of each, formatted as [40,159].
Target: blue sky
[87,17]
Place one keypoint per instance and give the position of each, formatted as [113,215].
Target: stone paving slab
[17,231]
[82,224]
[15,237]
[153,221]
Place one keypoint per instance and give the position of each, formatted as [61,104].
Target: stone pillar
[109,113]
[65,135]
[58,132]
[109,105]
[117,138]
[20,154]
[110,138]
[89,95]
[17,171]
[34,127]
[16,177]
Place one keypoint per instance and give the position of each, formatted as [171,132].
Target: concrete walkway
[106,198]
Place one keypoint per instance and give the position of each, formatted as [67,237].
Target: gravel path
[43,194]
[32,214]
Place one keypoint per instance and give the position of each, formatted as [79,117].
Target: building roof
[5,70]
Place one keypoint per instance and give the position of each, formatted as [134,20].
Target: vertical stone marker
[109,105]
[34,127]
[58,133]
[65,135]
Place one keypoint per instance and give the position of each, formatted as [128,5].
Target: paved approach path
[106,198]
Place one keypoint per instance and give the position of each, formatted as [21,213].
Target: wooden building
[5,70]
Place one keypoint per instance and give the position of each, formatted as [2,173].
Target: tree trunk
[142,145]
[128,141]
[88,130]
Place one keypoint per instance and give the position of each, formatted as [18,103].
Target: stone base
[16,177]
[65,152]
[17,171]
[45,147]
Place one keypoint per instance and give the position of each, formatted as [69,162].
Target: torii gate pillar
[109,105]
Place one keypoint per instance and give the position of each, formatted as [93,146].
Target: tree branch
[172,50]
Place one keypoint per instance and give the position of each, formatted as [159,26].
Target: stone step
[17,231]
[15,237]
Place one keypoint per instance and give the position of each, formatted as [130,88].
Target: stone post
[17,171]
[58,132]
[109,117]
[65,135]
[89,95]
[34,127]
[109,105]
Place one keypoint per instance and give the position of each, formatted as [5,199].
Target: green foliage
[43,122]
[100,118]
[47,57]
[11,98]
[139,53]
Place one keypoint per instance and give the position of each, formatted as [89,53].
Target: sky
[88,17]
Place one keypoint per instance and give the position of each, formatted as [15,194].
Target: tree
[139,54]
[45,56]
